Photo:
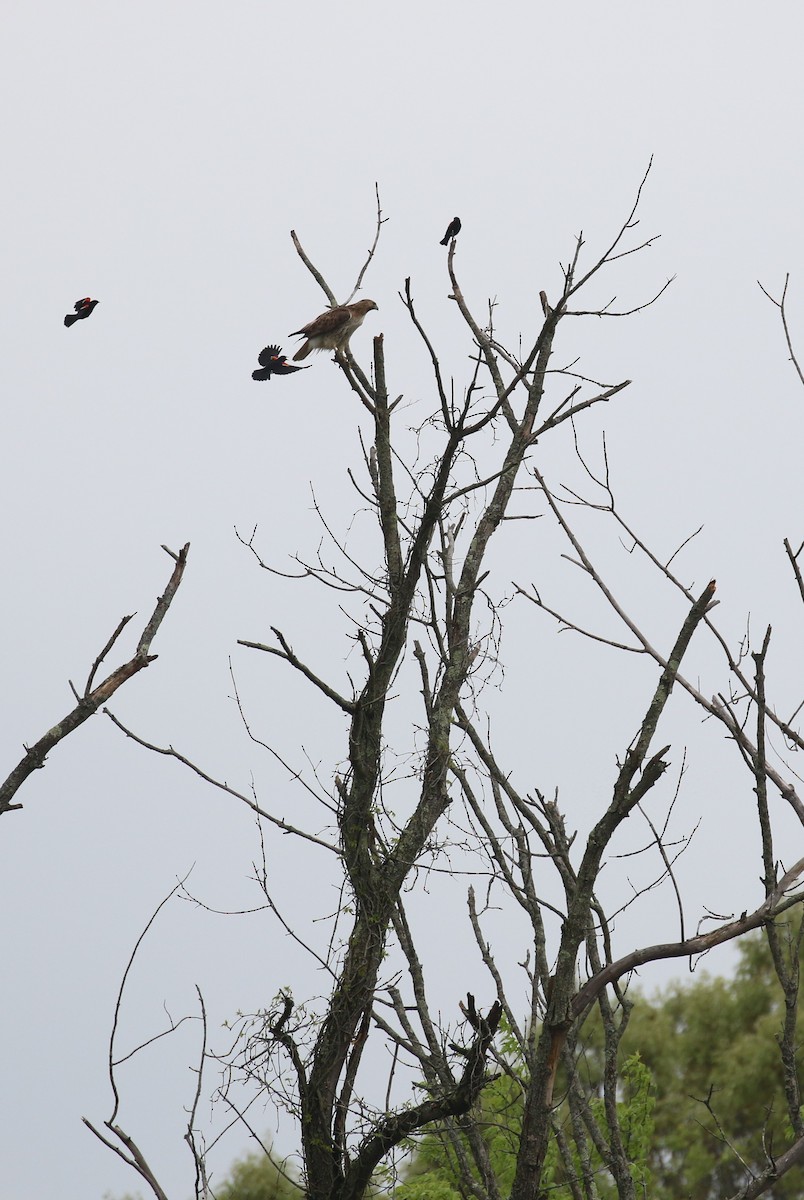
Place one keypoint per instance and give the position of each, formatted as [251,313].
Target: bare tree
[426,625]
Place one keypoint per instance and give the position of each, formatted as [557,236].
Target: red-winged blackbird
[273,362]
[82,310]
[453,229]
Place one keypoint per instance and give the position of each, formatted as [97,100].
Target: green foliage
[712,1040]
[716,1040]
[433,1174]
[256,1178]
[636,1120]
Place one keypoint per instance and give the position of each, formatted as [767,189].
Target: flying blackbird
[83,308]
[273,362]
[453,229]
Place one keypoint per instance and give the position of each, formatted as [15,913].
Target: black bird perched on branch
[83,308]
[453,229]
[273,362]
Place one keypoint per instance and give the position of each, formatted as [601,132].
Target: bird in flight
[273,362]
[333,328]
[83,308]
[453,229]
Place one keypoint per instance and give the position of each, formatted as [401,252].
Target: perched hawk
[83,308]
[332,330]
[453,229]
[273,362]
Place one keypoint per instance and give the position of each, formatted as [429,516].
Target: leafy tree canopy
[700,1059]
[256,1177]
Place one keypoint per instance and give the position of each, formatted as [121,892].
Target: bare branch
[169,752]
[287,654]
[134,1158]
[380,222]
[316,274]
[201,1187]
[781,305]
[91,701]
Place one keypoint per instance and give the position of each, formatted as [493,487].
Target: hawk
[83,308]
[332,330]
[273,362]
[453,229]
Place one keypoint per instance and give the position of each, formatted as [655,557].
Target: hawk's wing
[329,322]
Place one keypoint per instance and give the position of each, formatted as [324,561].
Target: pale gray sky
[156,157]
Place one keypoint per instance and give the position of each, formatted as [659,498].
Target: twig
[380,222]
[169,752]
[201,1186]
[781,305]
[287,654]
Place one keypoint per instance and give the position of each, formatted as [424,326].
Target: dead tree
[444,583]
[421,602]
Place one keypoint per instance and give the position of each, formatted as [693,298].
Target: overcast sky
[156,157]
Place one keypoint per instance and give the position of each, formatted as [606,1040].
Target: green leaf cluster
[433,1174]
[711,1040]
[256,1177]
[716,1040]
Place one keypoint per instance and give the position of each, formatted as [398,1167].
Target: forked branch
[92,699]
